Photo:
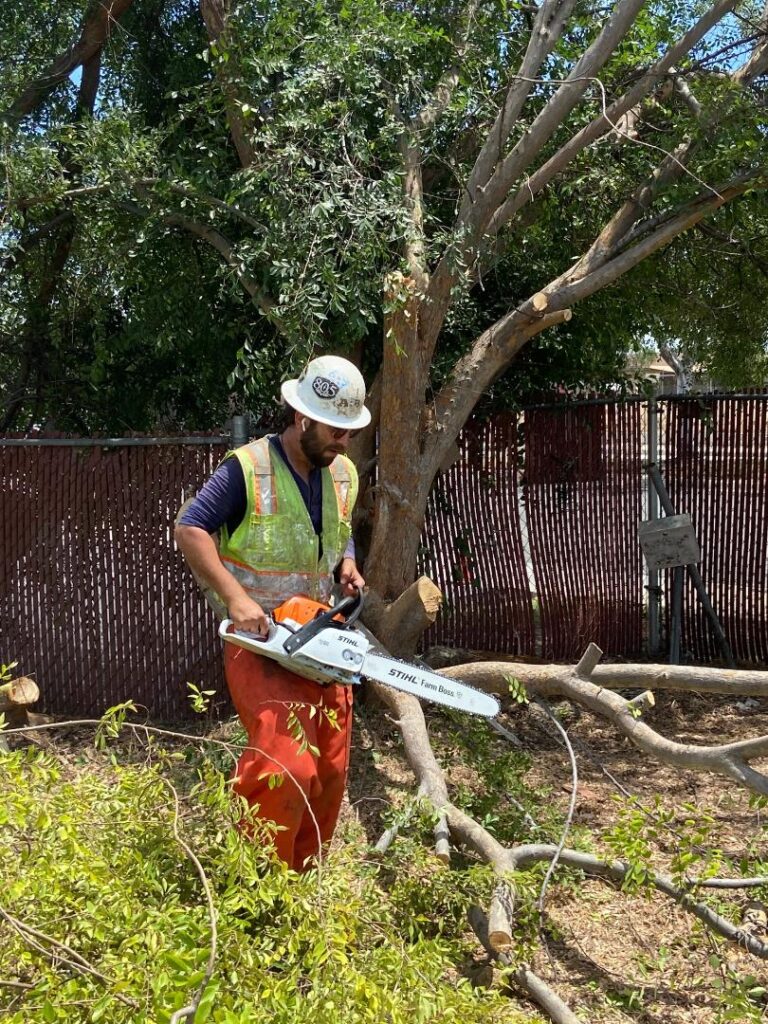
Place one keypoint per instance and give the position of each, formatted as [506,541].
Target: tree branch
[671,168]
[607,120]
[675,678]
[533,986]
[490,354]
[555,111]
[226,250]
[730,760]
[215,15]
[493,350]
[616,871]
[550,21]
[59,951]
[481,204]
[107,187]
[410,152]
[612,264]
[445,88]
[97,28]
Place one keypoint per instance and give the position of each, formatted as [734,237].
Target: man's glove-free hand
[349,577]
[248,616]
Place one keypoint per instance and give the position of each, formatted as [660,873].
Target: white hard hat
[330,390]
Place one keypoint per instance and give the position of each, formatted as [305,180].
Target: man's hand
[248,616]
[349,578]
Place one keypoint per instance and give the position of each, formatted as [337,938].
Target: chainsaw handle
[228,626]
[310,629]
[355,602]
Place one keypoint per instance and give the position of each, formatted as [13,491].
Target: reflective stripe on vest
[274,552]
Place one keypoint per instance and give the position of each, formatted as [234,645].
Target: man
[282,507]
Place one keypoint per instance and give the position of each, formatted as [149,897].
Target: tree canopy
[199,195]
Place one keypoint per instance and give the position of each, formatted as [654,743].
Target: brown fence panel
[473,545]
[531,534]
[716,470]
[584,499]
[95,602]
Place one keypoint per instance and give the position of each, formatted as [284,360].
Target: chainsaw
[322,643]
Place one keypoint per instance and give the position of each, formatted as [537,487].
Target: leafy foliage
[155,276]
[88,858]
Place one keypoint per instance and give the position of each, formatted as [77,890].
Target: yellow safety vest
[275,552]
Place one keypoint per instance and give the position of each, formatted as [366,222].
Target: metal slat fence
[531,534]
[716,469]
[473,544]
[95,602]
[584,496]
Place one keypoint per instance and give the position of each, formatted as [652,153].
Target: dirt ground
[617,957]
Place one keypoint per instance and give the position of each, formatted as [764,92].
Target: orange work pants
[265,696]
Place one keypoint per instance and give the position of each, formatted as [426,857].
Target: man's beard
[315,450]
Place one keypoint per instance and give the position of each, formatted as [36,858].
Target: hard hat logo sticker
[325,388]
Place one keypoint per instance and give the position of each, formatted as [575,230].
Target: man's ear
[304,423]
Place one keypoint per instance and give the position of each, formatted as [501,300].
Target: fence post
[654,590]
[239,431]
[693,570]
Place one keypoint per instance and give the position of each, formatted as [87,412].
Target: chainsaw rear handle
[261,638]
[350,607]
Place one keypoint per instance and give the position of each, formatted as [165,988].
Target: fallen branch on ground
[577,683]
[730,760]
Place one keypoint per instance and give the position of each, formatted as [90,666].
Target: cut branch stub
[588,662]
[501,917]
[18,693]
[400,625]
[443,840]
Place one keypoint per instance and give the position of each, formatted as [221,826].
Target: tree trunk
[403,484]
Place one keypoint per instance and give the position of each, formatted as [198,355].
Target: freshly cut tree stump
[18,693]
[15,697]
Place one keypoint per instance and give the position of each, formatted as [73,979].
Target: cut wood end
[567,315]
[499,942]
[644,699]
[430,595]
[19,691]
[540,302]
[443,842]
[589,660]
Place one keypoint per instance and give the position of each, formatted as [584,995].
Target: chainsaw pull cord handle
[351,605]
